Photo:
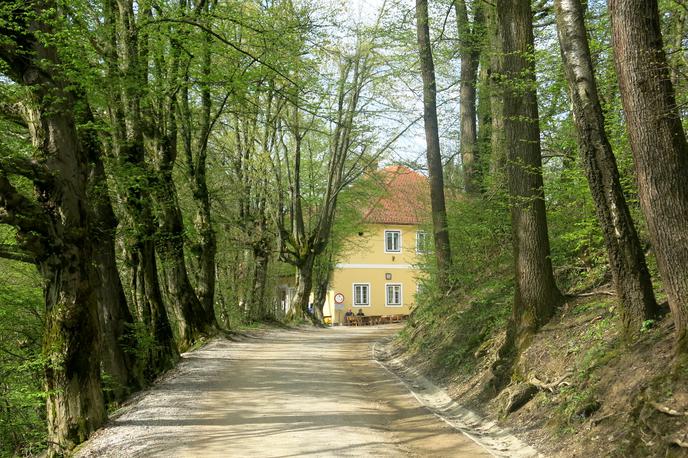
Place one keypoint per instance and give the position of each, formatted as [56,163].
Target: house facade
[377,271]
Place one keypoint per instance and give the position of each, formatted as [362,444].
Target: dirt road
[287,393]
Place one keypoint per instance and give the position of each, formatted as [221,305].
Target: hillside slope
[575,391]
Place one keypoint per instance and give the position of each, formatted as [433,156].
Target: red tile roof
[405,200]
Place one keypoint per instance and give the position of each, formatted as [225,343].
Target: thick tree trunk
[536,295]
[469,43]
[626,257]
[117,322]
[120,364]
[207,250]
[497,146]
[151,309]
[207,244]
[659,146]
[319,298]
[439,212]
[128,76]
[193,319]
[71,340]
[75,402]
[304,287]
[259,309]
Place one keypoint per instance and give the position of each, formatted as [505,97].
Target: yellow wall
[366,261]
[369,247]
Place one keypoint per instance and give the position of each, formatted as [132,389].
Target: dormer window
[392,241]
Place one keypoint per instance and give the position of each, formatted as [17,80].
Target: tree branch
[25,167]
[15,253]
[19,211]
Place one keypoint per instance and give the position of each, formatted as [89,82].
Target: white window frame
[401,295]
[388,231]
[353,294]
[424,248]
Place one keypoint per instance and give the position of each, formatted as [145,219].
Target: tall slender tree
[536,295]
[659,146]
[627,260]
[470,44]
[432,139]
[302,239]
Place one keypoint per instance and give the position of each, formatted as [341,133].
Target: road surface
[285,393]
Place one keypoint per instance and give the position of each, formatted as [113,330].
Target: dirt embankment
[577,391]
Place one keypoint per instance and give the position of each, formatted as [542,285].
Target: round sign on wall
[339,298]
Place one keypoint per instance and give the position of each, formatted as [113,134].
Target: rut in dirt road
[286,393]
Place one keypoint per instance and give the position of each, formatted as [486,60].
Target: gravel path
[285,393]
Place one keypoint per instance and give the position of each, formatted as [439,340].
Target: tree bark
[196,150]
[536,295]
[261,259]
[434,158]
[304,287]
[469,42]
[71,344]
[627,260]
[193,319]
[659,146]
[495,141]
[117,322]
[127,81]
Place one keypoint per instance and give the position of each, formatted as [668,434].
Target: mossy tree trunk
[58,228]
[627,260]
[470,44]
[127,80]
[432,139]
[659,146]
[536,295]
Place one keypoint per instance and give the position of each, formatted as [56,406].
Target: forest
[164,163]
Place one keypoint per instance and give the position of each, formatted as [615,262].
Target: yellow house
[377,272]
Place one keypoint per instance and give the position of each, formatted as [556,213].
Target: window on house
[421,242]
[361,294]
[393,295]
[392,241]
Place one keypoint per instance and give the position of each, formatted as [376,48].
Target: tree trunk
[626,257]
[128,77]
[75,402]
[439,213]
[207,243]
[207,248]
[320,296]
[496,141]
[259,309]
[304,287]
[659,146]
[484,118]
[469,42]
[193,319]
[71,340]
[536,295]
[117,322]
[163,353]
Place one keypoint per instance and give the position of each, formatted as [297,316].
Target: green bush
[22,399]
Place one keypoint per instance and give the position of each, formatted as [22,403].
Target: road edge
[497,441]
